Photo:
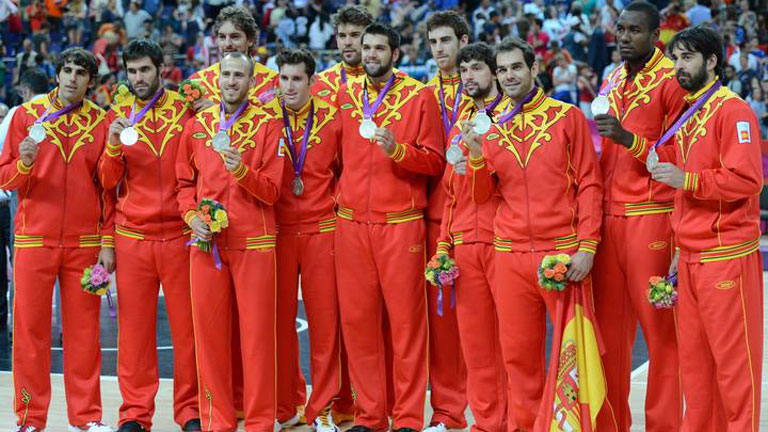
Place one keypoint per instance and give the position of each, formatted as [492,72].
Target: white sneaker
[91,427]
[296,419]
[324,423]
[277,427]
[28,429]
[436,428]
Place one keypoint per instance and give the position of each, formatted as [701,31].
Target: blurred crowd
[574,39]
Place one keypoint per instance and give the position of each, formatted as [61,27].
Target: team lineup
[357,181]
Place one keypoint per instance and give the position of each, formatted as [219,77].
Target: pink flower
[99,276]
[444,278]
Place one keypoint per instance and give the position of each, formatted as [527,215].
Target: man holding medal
[467,230]
[348,23]
[447,32]
[391,142]
[236,31]
[229,153]
[51,157]
[311,136]
[637,101]
[718,176]
[140,158]
[540,159]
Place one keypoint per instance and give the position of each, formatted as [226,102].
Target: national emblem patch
[745,134]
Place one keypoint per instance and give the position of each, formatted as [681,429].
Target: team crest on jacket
[745,135]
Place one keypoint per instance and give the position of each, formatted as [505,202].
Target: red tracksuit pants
[522,307]
[310,255]
[34,272]
[380,270]
[247,277]
[447,371]
[479,331]
[631,251]
[720,308]
[142,267]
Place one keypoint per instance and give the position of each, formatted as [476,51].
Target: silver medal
[652,160]
[367,129]
[481,123]
[601,105]
[454,154]
[297,186]
[129,136]
[37,133]
[221,141]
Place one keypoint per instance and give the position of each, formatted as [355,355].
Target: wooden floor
[164,414]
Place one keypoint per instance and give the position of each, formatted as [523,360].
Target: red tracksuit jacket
[61,203]
[314,210]
[327,82]
[646,106]
[146,172]
[376,188]
[544,165]
[249,193]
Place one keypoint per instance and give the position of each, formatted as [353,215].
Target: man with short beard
[447,32]
[51,157]
[236,31]
[715,167]
[539,158]
[229,153]
[640,99]
[349,23]
[140,158]
[467,233]
[391,143]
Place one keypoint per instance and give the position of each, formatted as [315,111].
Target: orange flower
[549,273]
[655,280]
[207,218]
[559,277]
[196,94]
[206,209]
[187,88]
[560,268]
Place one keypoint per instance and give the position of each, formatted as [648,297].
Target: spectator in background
[134,21]
[171,74]
[538,39]
[757,102]
[742,59]
[35,15]
[615,62]
[576,40]
[54,13]
[198,53]
[747,18]
[25,60]
[731,80]
[564,77]
[320,32]
[587,85]
[698,12]
[75,21]
[608,15]
[170,41]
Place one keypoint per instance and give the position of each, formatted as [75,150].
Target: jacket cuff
[188,216]
[638,146]
[443,248]
[240,172]
[588,246]
[108,241]
[399,153]
[691,182]
[23,168]
[477,163]
[114,151]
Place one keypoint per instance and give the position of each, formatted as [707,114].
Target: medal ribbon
[519,107]
[225,125]
[298,160]
[688,114]
[136,117]
[449,122]
[368,110]
[343,74]
[613,82]
[492,106]
[64,111]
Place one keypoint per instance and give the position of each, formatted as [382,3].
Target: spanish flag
[575,387]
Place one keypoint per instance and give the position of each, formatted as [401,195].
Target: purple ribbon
[111,305]
[440,297]
[492,106]
[298,160]
[519,107]
[343,74]
[688,113]
[672,279]
[225,125]
[368,110]
[136,117]
[448,123]
[216,257]
[64,111]
[612,83]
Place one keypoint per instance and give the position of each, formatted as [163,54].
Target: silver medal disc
[37,133]
[297,186]
[367,129]
[221,141]
[481,123]
[454,154]
[652,160]
[129,136]
[601,105]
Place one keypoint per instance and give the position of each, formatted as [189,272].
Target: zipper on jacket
[523,158]
[66,188]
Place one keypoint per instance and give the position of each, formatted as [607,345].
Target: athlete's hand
[674,264]
[200,229]
[669,174]
[581,265]
[28,149]
[107,258]
[472,140]
[386,140]
[202,104]
[115,128]
[232,158]
[461,166]
[610,127]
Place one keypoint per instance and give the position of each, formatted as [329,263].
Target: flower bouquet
[661,291]
[95,280]
[191,91]
[552,272]
[442,270]
[213,214]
